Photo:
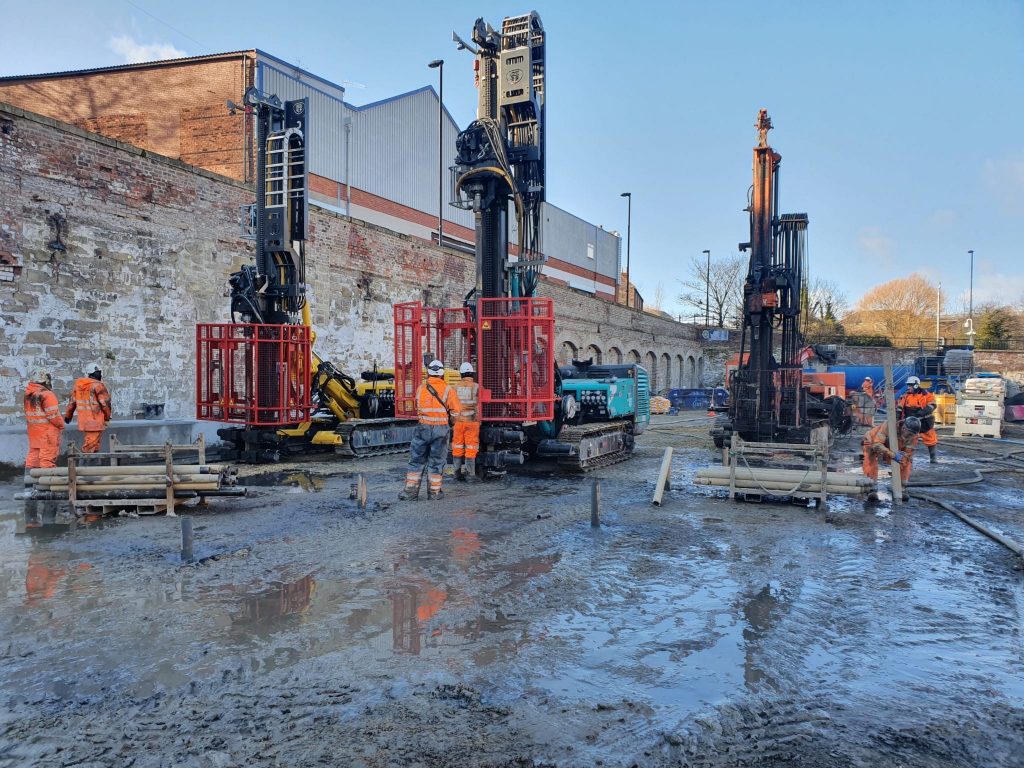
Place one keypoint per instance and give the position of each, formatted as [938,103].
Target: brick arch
[681,370]
[633,356]
[568,352]
[700,371]
[651,364]
[691,371]
[665,371]
[614,355]
[594,351]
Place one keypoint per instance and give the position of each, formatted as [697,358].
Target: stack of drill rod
[769,480]
[134,481]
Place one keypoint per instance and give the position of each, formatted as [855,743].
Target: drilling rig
[584,416]
[259,372]
[769,402]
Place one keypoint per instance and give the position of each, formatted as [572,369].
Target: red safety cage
[253,374]
[515,340]
[511,344]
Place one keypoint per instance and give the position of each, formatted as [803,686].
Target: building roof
[124,67]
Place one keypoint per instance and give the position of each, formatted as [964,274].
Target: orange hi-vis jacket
[468,390]
[432,410]
[92,401]
[917,400]
[42,410]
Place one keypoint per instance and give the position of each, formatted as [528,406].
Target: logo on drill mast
[515,75]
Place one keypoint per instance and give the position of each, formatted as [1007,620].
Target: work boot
[471,474]
[435,495]
[409,493]
[906,497]
[931,455]
[458,469]
[873,497]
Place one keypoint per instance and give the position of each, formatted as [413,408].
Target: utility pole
[707,292]
[938,313]
[438,64]
[629,234]
[970,310]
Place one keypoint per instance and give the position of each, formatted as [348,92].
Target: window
[590,250]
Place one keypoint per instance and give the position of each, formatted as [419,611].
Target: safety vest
[879,436]
[41,407]
[92,401]
[921,399]
[431,410]
[467,391]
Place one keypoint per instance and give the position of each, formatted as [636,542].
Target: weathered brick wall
[174,109]
[120,252]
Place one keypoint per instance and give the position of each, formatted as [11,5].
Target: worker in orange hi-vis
[868,387]
[91,400]
[466,431]
[438,406]
[42,412]
[877,446]
[921,403]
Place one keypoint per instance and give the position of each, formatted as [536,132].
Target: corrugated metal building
[376,162]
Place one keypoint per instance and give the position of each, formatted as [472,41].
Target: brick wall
[175,109]
[122,252]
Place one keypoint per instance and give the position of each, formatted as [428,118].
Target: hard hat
[913,381]
[436,367]
[466,368]
[912,424]
[868,378]
[41,377]
[92,368]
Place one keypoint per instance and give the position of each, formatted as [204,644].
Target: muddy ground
[497,628]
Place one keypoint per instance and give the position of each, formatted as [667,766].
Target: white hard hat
[912,380]
[41,377]
[92,368]
[436,367]
[466,368]
[868,378]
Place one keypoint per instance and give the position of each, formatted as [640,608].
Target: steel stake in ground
[595,504]
[663,479]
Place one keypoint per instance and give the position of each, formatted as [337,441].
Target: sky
[900,124]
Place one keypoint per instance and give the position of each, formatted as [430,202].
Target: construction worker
[876,446]
[466,432]
[921,403]
[92,401]
[437,404]
[868,387]
[42,412]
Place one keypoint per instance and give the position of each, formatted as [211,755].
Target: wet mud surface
[497,628]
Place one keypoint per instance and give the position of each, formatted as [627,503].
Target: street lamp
[707,292]
[629,232]
[438,64]
[970,309]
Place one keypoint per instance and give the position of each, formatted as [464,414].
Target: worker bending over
[437,404]
[878,446]
[921,403]
[466,432]
[92,401]
[42,412]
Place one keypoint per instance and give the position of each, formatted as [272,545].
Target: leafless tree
[724,289]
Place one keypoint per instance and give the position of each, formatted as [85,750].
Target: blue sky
[901,124]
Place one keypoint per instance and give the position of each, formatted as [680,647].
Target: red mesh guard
[408,357]
[252,374]
[516,340]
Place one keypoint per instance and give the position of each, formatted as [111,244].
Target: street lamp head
[436,63]
[707,252]
[626,194]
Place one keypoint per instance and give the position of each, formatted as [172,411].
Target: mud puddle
[300,481]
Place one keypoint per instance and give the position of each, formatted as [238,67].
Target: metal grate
[408,357]
[515,346]
[253,374]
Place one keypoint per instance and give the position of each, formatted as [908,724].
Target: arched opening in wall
[615,355]
[680,371]
[594,353]
[634,356]
[570,352]
[651,364]
[691,371]
[700,371]
[666,371]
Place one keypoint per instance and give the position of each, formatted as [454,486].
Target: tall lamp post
[970,306]
[707,292]
[438,64]
[629,232]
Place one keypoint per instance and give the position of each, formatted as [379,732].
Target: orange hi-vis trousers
[466,439]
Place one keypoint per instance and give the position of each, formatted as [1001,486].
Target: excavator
[259,372]
[583,415]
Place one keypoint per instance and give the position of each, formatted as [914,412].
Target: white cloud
[876,244]
[1005,177]
[134,52]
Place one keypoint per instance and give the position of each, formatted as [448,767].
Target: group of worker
[915,422]
[90,399]
[444,412]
